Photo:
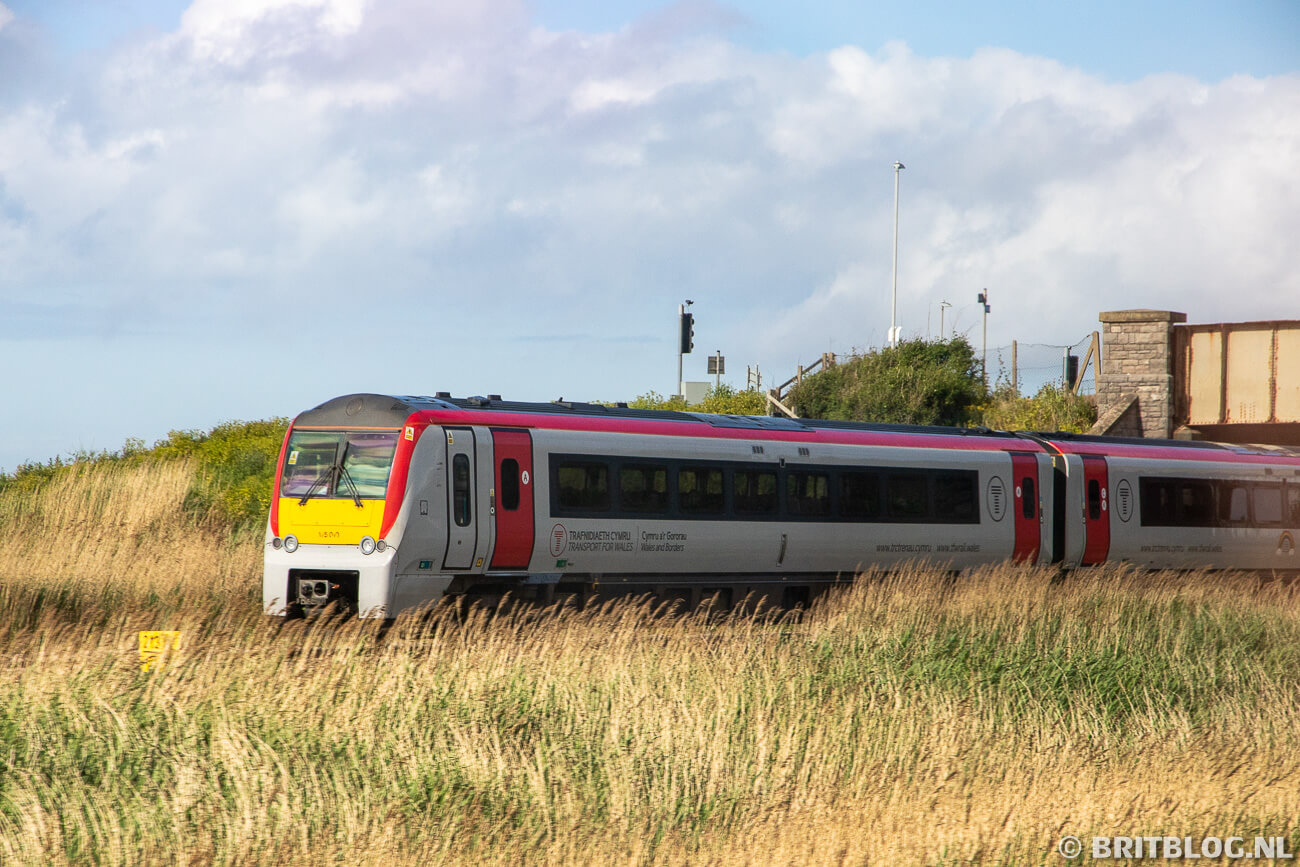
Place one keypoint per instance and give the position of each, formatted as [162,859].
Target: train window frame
[775,494]
[969,479]
[651,502]
[462,510]
[510,484]
[354,451]
[598,505]
[1255,491]
[1228,505]
[1158,501]
[708,472]
[1093,500]
[772,504]
[1029,498]
[1188,518]
[798,503]
[1291,504]
[848,505]
[897,516]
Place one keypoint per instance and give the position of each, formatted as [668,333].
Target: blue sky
[1118,39]
[232,209]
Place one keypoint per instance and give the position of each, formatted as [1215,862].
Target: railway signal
[688,333]
[685,341]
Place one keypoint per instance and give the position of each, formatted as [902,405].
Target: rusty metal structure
[1237,381]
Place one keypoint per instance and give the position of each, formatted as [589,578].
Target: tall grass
[910,719]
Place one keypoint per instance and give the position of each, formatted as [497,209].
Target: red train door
[1096,510]
[1024,473]
[512,452]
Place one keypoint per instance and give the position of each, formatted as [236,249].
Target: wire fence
[1037,364]
[1033,365]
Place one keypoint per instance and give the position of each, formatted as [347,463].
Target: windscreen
[322,463]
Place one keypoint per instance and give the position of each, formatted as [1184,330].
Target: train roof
[375,410]
[388,411]
[1088,444]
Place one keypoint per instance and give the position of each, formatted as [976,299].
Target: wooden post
[1093,354]
[1015,370]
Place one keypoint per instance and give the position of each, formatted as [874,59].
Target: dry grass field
[907,721]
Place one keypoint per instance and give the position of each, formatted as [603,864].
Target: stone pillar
[1137,359]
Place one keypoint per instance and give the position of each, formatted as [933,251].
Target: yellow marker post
[154,644]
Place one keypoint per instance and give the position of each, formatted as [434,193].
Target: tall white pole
[893,307]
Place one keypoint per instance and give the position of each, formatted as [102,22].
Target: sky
[237,209]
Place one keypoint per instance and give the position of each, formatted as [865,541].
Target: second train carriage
[388,503]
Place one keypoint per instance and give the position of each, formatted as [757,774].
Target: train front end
[334,529]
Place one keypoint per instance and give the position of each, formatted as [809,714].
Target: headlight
[276,543]
[367,545]
[290,544]
[381,546]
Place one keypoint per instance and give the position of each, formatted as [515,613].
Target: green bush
[721,399]
[235,468]
[917,382]
[1053,408]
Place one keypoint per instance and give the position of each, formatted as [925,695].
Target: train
[387,504]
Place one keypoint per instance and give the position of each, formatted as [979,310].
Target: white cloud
[454,163]
[231,31]
[6,15]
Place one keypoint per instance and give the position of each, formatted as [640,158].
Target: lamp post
[893,311]
[943,305]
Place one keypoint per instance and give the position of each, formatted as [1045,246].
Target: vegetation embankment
[917,382]
[911,720]
[936,382]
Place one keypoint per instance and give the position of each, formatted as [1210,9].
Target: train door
[1096,510]
[513,509]
[462,528]
[1024,472]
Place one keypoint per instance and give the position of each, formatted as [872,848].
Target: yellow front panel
[330,521]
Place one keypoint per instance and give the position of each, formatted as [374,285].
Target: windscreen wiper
[324,477]
[347,477]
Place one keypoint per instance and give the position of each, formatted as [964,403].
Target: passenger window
[1233,508]
[906,497]
[1197,504]
[1094,500]
[860,496]
[643,488]
[1293,505]
[808,493]
[1268,504]
[584,486]
[510,484]
[1159,507]
[755,492]
[699,490]
[1030,500]
[460,504]
[954,498]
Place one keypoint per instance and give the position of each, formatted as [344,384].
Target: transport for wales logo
[559,540]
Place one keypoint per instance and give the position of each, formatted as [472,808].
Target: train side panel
[609,543]
[1241,536]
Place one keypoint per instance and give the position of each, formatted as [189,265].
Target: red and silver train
[384,504]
